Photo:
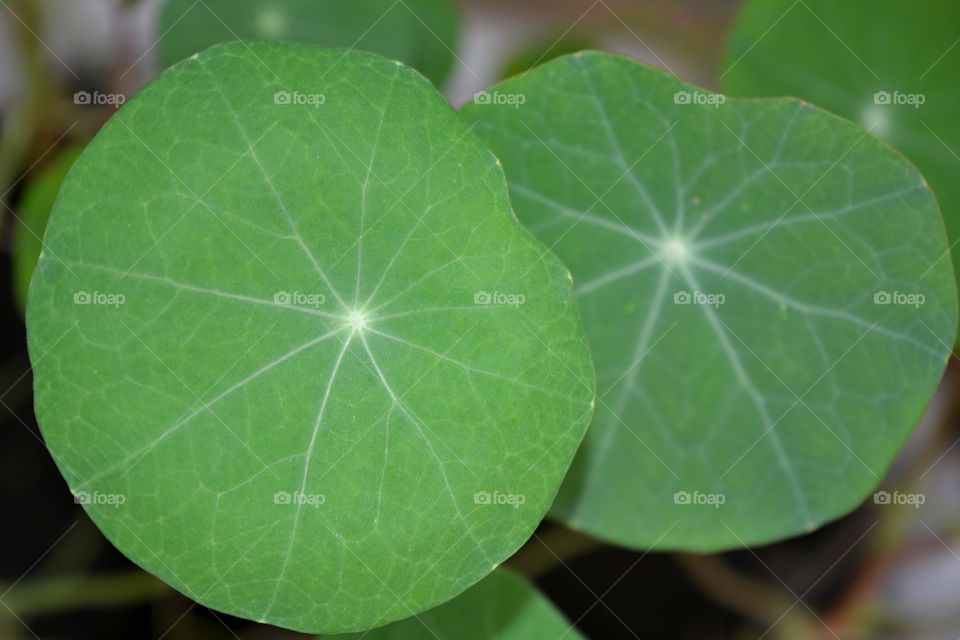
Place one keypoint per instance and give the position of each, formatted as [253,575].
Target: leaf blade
[299,427]
[727,285]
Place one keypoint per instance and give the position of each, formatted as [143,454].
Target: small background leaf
[502,606]
[421,33]
[32,213]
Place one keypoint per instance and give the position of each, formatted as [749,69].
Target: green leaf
[299,360]
[32,214]
[727,254]
[421,33]
[893,67]
[503,606]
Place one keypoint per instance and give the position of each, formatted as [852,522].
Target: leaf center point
[357,320]
[675,250]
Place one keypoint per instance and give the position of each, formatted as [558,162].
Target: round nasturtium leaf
[299,359]
[892,66]
[33,211]
[502,606]
[421,33]
[762,287]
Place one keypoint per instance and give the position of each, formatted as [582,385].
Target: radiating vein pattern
[761,287]
[307,342]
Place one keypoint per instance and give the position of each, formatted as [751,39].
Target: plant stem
[63,593]
[553,546]
[752,598]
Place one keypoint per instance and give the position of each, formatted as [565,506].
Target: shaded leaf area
[762,285]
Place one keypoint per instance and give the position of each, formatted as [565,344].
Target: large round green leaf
[893,66]
[421,33]
[761,286]
[502,606]
[300,360]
